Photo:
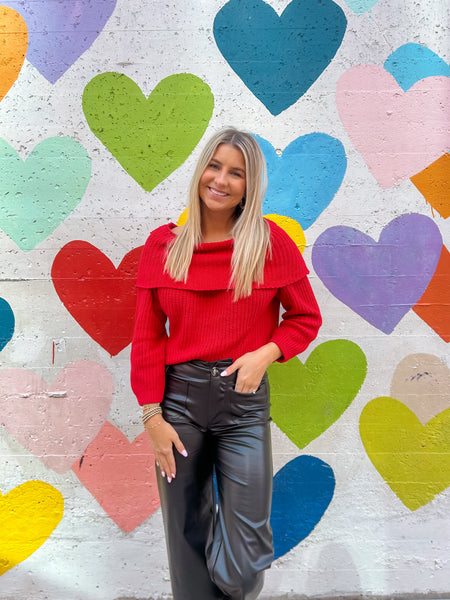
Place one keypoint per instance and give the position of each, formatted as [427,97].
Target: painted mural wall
[104,105]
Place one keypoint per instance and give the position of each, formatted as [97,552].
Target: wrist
[270,352]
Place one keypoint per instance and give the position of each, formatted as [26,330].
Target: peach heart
[398,133]
[422,383]
[56,423]
[13,47]
[121,476]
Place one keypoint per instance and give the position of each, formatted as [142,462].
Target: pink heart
[398,133]
[121,476]
[56,423]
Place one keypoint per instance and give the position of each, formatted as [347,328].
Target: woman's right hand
[162,438]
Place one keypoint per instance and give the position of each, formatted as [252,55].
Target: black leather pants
[219,541]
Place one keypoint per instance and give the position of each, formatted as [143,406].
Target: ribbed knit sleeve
[148,350]
[300,321]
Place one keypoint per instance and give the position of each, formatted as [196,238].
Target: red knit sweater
[204,321]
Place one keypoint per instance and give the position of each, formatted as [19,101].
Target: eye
[213,166]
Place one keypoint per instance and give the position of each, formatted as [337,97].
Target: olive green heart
[412,458]
[308,398]
[150,137]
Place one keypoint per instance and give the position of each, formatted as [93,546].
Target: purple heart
[61,30]
[379,281]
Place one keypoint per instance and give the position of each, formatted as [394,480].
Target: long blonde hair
[250,231]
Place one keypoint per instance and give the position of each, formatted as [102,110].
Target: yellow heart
[28,515]
[412,458]
[290,226]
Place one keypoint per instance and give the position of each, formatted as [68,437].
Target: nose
[220,177]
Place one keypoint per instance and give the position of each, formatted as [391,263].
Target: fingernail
[169,479]
[173,475]
[223,374]
[163,474]
[157,463]
[184,453]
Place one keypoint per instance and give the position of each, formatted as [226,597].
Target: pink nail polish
[223,374]
[184,453]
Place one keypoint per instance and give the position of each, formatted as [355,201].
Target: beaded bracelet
[148,414]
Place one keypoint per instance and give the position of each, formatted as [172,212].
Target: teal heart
[7,323]
[412,62]
[150,137]
[37,194]
[279,57]
[308,398]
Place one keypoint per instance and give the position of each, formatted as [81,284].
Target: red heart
[99,297]
[121,475]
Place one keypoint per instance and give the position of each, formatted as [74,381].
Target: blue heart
[279,58]
[302,491]
[412,62]
[6,323]
[302,182]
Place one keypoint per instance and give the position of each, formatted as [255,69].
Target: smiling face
[222,184]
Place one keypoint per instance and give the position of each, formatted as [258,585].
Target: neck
[216,228]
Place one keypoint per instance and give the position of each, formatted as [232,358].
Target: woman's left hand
[252,366]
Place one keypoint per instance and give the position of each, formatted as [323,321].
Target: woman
[218,280]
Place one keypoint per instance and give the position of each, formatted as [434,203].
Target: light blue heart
[7,323]
[37,194]
[412,62]
[360,6]
[304,179]
[279,57]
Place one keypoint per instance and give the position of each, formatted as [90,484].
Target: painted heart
[412,458]
[38,194]
[302,491]
[360,6]
[13,47]
[302,182]
[434,306]
[7,323]
[412,62]
[28,515]
[397,133]
[434,185]
[121,476]
[379,281]
[422,383]
[150,137]
[60,32]
[308,398]
[56,423]
[279,57]
[292,228]
[101,298]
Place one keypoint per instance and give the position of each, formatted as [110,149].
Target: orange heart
[13,47]
[434,184]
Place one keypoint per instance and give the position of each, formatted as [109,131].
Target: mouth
[217,192]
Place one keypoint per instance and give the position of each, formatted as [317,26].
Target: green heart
[38,194]
[412,458]
[150,137]
[308,398]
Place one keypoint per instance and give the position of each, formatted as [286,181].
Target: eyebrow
[232,168]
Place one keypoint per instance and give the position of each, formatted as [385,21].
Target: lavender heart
[379,281]
[60,31]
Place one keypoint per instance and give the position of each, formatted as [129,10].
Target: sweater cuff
[284,342]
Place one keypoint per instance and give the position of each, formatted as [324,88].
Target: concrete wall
[100,127]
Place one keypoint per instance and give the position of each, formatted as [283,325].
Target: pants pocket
[175,396]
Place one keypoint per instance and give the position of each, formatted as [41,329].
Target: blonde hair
[250,231]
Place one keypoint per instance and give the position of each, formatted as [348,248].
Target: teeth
[217,192]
